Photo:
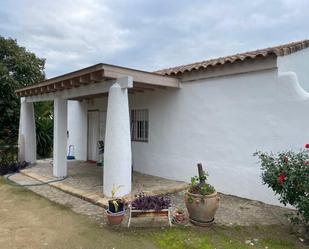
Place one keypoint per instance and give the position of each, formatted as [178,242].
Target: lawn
[30,221]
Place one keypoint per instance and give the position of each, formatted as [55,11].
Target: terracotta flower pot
[180,216]
[114,218]
[202,209]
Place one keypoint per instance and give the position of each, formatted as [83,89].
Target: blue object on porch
[71,153]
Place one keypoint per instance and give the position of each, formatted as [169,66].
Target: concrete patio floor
[85,180]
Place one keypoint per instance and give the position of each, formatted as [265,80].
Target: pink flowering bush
[287,173]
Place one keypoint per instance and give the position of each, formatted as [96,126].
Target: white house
[218,112]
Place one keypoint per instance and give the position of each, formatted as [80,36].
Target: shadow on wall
[290,87]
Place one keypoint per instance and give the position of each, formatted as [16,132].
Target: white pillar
[60,137]
[117,153]
[27,134]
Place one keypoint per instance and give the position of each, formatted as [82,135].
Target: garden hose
[13,183]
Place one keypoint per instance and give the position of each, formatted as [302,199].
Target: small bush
[7,168]
[200,186]
[287,173]
[8,153]
[8,146]
[157,203]
[8,157]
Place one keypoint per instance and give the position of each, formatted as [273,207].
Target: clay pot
[202,209]
[180,216]
[114,218]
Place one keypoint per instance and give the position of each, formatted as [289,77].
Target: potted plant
[179,215]
[202,200]
[116,209]
[150,206]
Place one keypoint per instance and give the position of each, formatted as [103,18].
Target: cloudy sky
[145,34]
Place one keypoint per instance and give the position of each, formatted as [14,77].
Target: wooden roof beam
[85,79]
[96,76]
[87,97]
[143,81]
[114,72]
[143,88]
[66,84]
[138,84]
[132,90]
[56,86]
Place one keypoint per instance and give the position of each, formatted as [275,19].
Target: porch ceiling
[142,80]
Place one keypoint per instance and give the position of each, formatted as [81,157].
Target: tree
[18,68]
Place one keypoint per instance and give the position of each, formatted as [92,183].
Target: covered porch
[101,80]
[85,180]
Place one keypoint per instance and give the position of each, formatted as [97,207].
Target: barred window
[139,125]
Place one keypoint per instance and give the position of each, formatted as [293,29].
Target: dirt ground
[31,221]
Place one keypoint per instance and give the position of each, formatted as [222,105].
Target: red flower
[280,178]
[307,146]
[306,162]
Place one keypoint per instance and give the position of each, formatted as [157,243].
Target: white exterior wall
[298,63]
[78,124]
[221,122]
[77,127]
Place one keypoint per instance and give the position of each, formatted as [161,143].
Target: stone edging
[94,198]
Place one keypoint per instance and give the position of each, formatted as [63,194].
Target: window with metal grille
[139,125]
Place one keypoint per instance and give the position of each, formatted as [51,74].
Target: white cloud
[148,34]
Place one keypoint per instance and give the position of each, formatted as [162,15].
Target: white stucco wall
[77,127]
[78,124]
[298,63]
[221,122]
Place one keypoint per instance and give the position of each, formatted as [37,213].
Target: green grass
[271,237]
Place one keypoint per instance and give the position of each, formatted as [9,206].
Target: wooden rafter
[142,81]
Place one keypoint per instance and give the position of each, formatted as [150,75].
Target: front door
[93,135]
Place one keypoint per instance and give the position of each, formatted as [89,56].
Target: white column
[60,137]
[27,134]
[117,154]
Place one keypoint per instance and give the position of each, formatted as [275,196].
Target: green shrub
[44,136]
[199,186]
[8,147]
[287,173]
[8,153]
[11,167]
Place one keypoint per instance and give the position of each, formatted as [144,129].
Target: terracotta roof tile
[277,51]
